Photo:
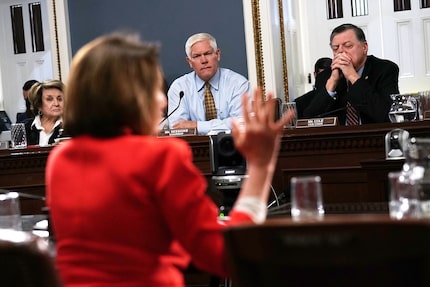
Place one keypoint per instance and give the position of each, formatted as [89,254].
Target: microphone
[330,112]
[181,95]
[334,111]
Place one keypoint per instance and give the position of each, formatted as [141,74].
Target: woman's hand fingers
[257,136]
[259,113]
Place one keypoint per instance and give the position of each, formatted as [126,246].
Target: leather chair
[25,261]
[278,112]
[347,250]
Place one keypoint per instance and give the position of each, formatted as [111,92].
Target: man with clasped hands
[227,88]
[365,82]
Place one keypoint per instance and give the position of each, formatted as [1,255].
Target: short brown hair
[36,91]
[111,87]
[359,33]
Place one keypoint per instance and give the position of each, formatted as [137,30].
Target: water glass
[306,198]
[10,212]
[403,108]
[290,106]
[424,105]
[404,196]
[18,136]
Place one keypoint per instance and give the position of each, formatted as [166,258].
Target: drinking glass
[404,196]
[306,198]
[417,171]
[290,106]
[403,108]
[18,136]
[424,105]
[10,212]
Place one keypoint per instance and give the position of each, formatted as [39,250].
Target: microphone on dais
[181,95]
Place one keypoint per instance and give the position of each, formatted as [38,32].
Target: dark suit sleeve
[303,102]
[32,133]
[371,93]
[322,102]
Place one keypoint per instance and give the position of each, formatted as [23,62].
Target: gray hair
[197,38]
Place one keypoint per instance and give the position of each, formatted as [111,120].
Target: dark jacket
[370,94]
[33,134]
[303,102]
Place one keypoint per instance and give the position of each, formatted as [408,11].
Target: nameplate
[426,115]
[178,132]
[317,122]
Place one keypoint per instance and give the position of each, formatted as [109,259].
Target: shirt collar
[36,123]
[214,81]
[360,71]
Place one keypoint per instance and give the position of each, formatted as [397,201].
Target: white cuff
[252,206]
[332,94]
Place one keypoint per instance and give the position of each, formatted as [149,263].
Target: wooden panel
[426,37]
[350,160]
[404,30]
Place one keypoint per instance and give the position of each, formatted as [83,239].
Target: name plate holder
[178,132]
[317,122]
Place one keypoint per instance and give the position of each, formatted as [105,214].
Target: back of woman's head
[111,87]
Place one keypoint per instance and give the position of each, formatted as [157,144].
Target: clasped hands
[342,66]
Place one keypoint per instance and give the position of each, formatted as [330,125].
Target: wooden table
[339,250]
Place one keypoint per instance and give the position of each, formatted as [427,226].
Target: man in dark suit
[303,101]
[357,88]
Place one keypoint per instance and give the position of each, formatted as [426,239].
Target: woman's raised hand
[258,137]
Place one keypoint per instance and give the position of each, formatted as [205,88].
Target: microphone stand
[181,95]
[335,111]
[330,112]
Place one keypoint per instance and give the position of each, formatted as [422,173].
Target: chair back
[25,261]
[278,112]
[341,251]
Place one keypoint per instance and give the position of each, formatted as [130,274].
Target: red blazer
[131,211]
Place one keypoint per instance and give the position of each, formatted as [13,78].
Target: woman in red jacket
[129,208]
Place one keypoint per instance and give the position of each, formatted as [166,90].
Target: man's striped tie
[352,116]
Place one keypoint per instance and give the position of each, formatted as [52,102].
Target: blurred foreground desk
[350,160]
[339,250]
[24,171]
